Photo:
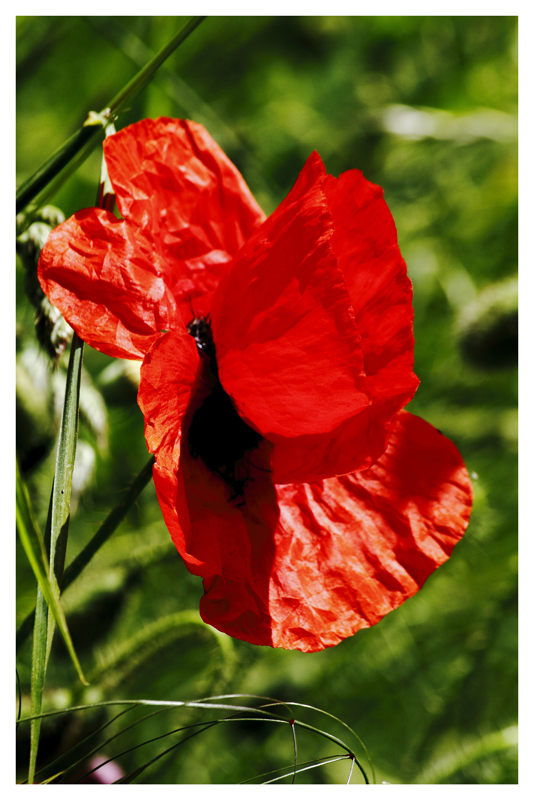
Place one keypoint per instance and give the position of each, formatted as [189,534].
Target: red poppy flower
[278,355]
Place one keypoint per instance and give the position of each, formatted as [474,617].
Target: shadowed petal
[230,545]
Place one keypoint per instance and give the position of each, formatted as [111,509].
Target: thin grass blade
[33,543]
[104,532]
[293,729]
[132,775]
[62,487]
[91,132]
[94,124]
[304,769]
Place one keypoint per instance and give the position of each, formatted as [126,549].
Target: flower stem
[92,129]
[141,79]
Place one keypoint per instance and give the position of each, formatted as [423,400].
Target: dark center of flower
[217,434]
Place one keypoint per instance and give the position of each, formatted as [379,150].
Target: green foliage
[425,107]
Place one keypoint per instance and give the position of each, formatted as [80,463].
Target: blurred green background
[427,108]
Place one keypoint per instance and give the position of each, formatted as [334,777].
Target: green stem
[139,81]
[62,156]
[109,525]
[96,123]
[101,536]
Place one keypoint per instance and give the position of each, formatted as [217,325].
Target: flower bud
[53,333]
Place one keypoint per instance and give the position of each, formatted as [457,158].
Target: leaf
[33,543]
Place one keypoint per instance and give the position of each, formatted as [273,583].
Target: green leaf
[32,541]
[62,486]
[57,525]
[38,674]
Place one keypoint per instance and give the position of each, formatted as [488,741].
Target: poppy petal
[175,183]
[356,443]
[107,280]
[366,245]
[288,351]
[351,549]
[169,374]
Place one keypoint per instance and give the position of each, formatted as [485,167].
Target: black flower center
[217,434]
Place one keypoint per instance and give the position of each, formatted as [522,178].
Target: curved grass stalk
[311,766]
[75,747]
[139,770]
[267,716]
[293,730]
[351,771]
[289,703]
[328,714]
[314,761]
[115,736]
[205,725]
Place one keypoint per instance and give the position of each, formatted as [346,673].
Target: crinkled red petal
[351,549]
[288,351]
[169,379]
[366,244]
[175,183]
[300,566]
[107,279]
